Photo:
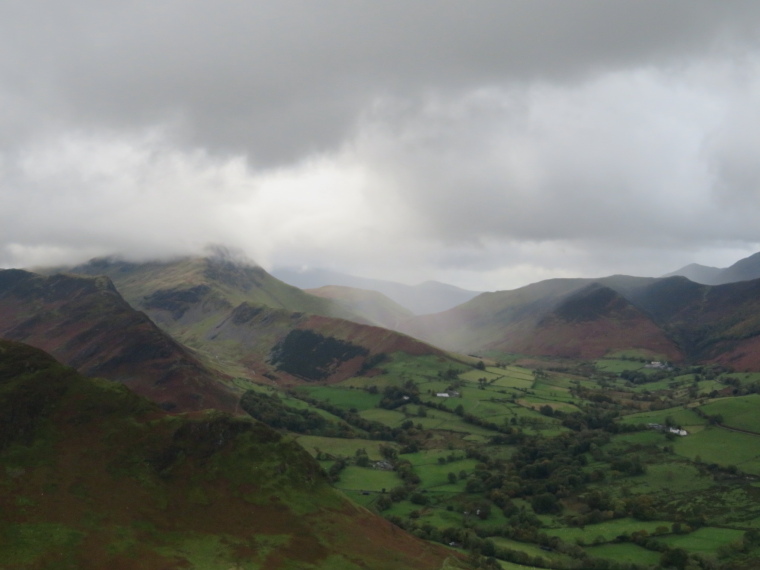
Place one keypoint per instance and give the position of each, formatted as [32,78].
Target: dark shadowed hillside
[96,477]
[294,347]
[711,323]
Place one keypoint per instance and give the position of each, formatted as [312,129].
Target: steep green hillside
[93,476]
[266,344]
[236,317]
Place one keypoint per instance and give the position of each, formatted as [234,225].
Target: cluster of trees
[312,356]
[397,396]
[271,410]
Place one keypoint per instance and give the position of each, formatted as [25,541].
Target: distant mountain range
[422,299]
[239,320]
[370,304]
[671,318]
[743,270]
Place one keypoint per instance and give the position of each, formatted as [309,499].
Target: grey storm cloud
[277,79]
[486,142]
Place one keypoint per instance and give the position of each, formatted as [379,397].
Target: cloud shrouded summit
[485,143]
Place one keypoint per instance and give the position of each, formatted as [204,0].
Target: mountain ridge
[671,318]
[85,322]
[379,308]
[745,269]
[424,298]
[236,315]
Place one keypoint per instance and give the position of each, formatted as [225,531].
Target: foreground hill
[671,318]
[96,477]
[425,298]
[241,320]
[84,322]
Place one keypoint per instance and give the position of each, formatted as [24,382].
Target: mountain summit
[745,269]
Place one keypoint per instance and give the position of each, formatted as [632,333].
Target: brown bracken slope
[85,323]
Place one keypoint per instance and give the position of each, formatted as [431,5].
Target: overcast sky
[488,144]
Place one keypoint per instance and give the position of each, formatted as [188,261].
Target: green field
[638,438]
[391,418]
[530,549]
[624,552]
[616,366]
[704,540]
[340,446]
[446,421]
[678,416]
[716,445]
[475,375]
[435,476]
[355,478]
[514,380]
[512,566]
[740,412]
[671,478]
[537,401]
[744,377]
[606,531]
[556,381]
[446,481]
[345,398]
